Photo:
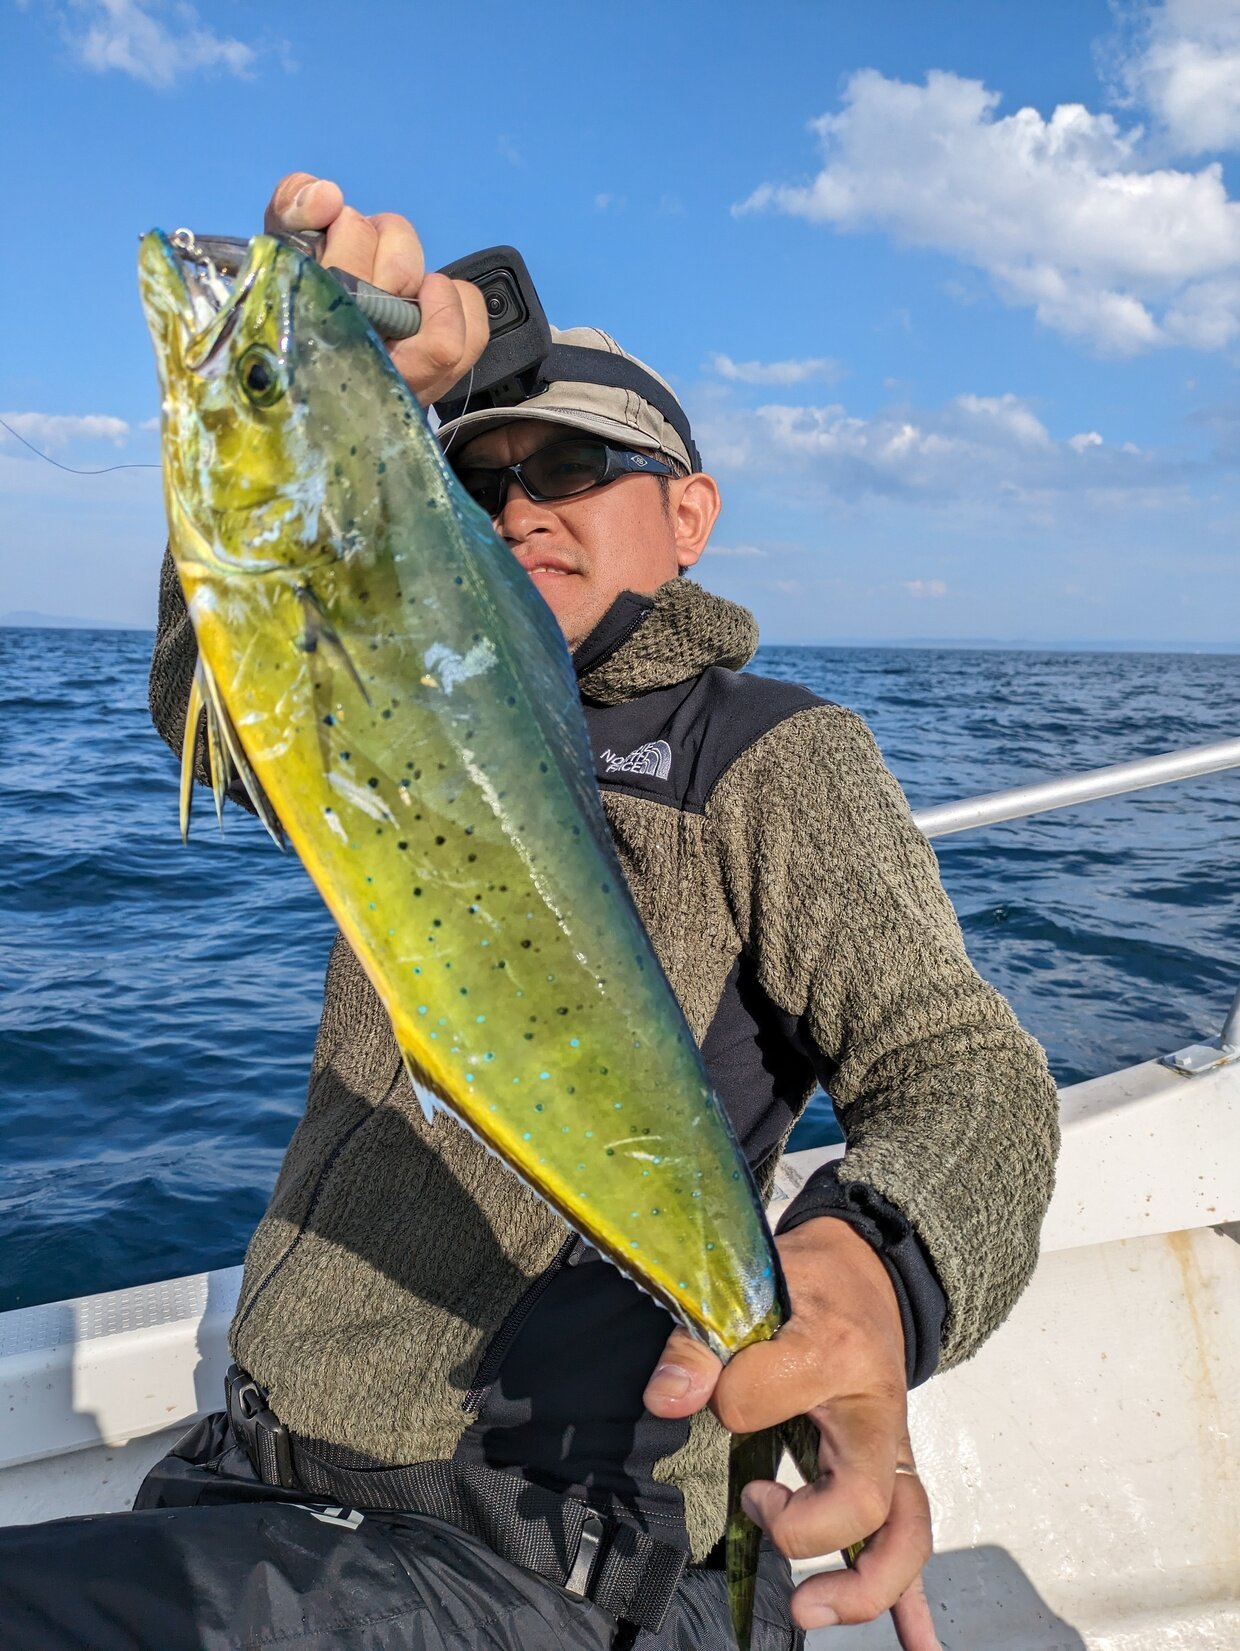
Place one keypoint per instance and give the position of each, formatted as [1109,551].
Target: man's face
[583,551]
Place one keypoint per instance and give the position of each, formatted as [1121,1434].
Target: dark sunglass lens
[483,487]
[567,467]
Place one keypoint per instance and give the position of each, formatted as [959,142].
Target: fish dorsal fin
[430,1097]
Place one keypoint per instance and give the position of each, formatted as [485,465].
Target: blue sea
[158,1003]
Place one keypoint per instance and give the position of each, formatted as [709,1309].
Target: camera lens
[505,309]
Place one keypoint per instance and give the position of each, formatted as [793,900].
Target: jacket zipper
[502,1340]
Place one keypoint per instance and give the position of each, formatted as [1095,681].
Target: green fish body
[382,674]
[407,705]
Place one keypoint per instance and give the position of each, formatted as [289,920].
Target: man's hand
[840,1361]
[385,250]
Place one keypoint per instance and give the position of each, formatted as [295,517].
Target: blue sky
[950,292]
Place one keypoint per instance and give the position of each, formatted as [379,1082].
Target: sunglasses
[560,470]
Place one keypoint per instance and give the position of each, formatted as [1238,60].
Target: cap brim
[476,424]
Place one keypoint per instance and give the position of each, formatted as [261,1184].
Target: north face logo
[655,757]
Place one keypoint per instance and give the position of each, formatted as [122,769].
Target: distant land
[1022,644]
[32,619]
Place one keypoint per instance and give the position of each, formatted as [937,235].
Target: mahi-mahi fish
[379,672]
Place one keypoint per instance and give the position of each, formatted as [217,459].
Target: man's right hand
[385,250]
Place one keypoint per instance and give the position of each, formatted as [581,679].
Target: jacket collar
[648,642]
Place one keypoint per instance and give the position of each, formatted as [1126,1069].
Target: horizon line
[32,619]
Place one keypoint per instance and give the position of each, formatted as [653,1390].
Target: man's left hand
[839,1360]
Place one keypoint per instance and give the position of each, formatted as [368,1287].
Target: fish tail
[752,1456]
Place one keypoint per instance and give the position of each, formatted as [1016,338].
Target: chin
[568,607]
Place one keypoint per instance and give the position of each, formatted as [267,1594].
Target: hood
[648,642]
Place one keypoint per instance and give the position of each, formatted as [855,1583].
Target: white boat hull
[1083,1468]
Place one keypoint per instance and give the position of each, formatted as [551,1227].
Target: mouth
[545,566]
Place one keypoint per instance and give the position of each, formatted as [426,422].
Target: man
[418,1336]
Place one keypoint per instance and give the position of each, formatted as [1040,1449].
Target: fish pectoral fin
[189,751]
[218,761]
[320,632]
[430,1097]
[228,758]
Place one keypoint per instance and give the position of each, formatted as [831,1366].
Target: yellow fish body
[380,671]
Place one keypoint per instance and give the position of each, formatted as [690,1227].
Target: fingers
[399,262]
[302,201]
[851,1498]
[683,1379]
[914,1625]
[886,1576]
[452,336]
[773,1380]
[385,250]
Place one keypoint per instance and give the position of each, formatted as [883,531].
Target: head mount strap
[576,364]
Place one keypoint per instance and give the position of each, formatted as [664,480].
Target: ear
[695,510]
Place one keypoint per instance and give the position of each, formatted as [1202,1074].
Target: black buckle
[588,1544]
[259,1431]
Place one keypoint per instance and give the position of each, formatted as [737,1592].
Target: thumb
[684,1377]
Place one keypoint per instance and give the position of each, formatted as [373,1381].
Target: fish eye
[260,376]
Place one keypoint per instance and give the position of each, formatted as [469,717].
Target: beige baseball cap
[621,414]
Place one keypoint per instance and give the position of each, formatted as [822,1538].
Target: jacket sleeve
[172,663]
[949,1112]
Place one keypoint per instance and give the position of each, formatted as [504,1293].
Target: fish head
[261,406]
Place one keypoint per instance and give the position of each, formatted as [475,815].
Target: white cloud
[736,550]
[56,429]
[972,448]
[155,41]
[921,588]
[777,372]
[1181,61]
[1064,215]
[1009,414]
[509,151]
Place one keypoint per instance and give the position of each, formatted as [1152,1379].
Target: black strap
[622,1569]
[579,365]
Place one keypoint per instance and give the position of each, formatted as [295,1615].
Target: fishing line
[469,390]
[72,469]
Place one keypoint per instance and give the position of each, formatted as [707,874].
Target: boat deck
[1083,1468]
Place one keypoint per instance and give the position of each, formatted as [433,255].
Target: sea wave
[159,1005]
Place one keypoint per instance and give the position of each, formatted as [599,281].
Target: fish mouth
[206,310]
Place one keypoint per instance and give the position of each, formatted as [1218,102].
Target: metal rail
[1089,787]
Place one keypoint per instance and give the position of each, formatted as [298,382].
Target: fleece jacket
[406,1299]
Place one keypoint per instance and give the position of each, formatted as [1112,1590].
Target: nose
[519,515]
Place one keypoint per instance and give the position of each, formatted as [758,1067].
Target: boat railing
[1092,786]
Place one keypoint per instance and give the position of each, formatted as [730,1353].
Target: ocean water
[158,1003]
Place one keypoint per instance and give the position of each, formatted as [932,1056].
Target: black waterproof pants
[232,1566]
